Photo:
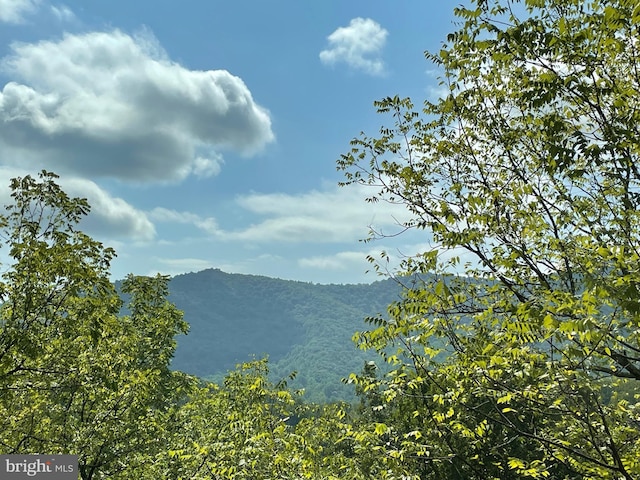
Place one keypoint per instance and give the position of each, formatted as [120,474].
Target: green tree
[75,376]
[234,430]
[247,428]
[524,176]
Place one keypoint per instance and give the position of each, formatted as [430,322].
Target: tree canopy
[523,359]
[75,377]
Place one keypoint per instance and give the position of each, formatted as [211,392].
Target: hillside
[302,327]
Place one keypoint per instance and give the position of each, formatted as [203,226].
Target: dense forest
[300,327]
[514,352]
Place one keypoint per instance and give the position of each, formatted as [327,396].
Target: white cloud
[338,261]
[207,167]
[207,224]
[327,216]
[357,260]
[13,11]
[62,13]
[359,46]
[110,216]
[335,215]
[113,105]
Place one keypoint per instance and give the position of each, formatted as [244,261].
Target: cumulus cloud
[359,46]
[114,105]
[110,216]
[13,11]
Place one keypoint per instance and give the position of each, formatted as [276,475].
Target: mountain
[302,327]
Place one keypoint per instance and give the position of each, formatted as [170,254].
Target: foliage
[250,428]
[74,376]
[524,177]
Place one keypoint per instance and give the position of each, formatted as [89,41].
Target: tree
[250,428]
[75,376]
[524,176]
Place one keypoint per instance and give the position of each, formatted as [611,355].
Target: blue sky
[205,133]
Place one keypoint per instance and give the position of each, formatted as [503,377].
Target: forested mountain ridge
[302,327]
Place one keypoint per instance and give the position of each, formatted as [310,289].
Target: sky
[205,133]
